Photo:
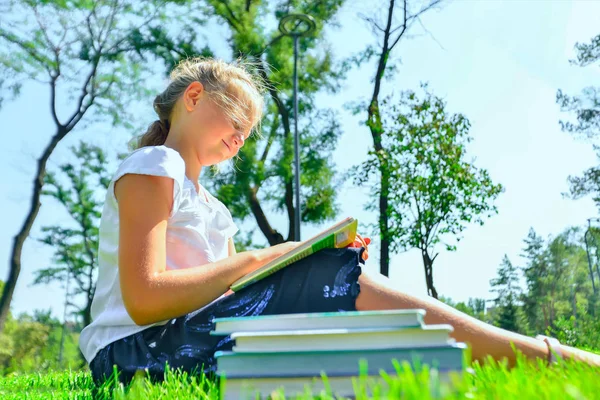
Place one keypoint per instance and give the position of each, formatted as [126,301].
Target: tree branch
[408,20]
[78,114]
[43,28]
[233,21]
[27,49]
[271,234]
[85,235]
[403,26]
[373,23]
[53,80]
[271,43]
[77,279]
[285,120]
[270,139]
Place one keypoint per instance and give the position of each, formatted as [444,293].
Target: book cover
[340,235]
[290,388]
[347,362]
[250,388]
[342,339]
[327,320]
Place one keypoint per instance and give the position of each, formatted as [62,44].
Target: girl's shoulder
[153,160]
[156,161]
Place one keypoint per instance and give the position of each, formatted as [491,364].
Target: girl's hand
[268,254]
[359,241]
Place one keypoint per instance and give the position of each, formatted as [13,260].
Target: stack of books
[293,352]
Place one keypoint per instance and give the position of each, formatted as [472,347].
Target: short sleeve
[225,220]
[156,161]
[232,228]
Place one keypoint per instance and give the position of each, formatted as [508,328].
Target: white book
[341,386]
[327,320]
[342,339]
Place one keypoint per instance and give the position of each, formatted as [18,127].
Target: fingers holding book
[359,241]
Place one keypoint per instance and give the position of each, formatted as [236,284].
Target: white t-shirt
[198,232]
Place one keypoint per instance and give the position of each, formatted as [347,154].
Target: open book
[338,236]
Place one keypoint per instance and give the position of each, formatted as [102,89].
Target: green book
[338,236]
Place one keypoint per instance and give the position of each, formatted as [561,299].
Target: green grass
[528,380]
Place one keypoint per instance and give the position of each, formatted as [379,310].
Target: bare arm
[151,293]
[231,247]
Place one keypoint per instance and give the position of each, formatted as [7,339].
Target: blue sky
[499,63]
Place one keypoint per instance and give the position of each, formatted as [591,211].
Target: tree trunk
[87,312]
[384,255]
[376,128]
[19,239]
[289,192]
[391,37]
[428,265]
[271,234]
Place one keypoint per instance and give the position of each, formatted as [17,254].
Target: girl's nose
[238,140]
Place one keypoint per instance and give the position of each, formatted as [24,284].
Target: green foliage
[586,108]
[491,380]
[557,279]
[506,286]
[434,192]
[91,53]
[60,335]
[76,248]
[28,338]
[474,307]
[582,331]
[31,345]
[88,53]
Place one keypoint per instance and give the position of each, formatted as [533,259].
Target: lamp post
[296,25]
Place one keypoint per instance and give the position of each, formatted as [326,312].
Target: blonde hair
[230,85]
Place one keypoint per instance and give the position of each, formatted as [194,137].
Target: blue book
[334,363]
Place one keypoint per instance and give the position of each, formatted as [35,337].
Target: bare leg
[484,339]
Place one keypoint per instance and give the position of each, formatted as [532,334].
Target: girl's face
[208,128]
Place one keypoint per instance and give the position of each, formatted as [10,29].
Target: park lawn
[528,380]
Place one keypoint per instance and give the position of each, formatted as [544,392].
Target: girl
[167,258]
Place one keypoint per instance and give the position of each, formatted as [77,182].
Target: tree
[557,279]
[533,271]
[89,54]
[433,190]
[76,248]
[264,183]
[29,338]
[389,33]
[474,307]
[506,286]
[586,108]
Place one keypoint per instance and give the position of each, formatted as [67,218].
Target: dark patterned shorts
[324,282]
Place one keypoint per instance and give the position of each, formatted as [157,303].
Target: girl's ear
[192,95]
